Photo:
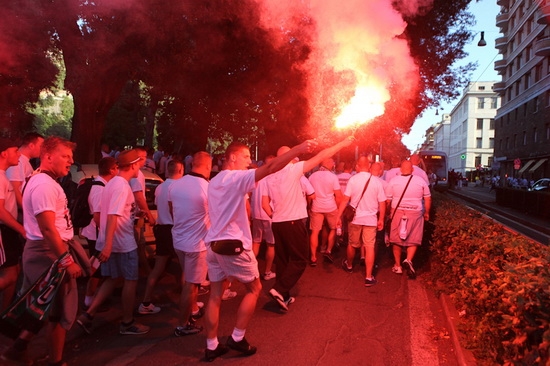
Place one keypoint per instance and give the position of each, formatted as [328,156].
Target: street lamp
[482,42]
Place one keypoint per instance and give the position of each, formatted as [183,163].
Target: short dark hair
[105,165]
[172,166]
[51,143]
[233,148]
[30,137]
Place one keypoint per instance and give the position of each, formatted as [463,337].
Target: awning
[524,168]
[537,165]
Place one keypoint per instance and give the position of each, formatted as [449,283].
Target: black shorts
[13,246]
[163,238]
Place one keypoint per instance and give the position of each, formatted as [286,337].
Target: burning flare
[365,105]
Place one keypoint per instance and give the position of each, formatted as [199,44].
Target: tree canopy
[200,70]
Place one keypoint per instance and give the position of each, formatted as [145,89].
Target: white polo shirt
[325,183]
[285,192]
[367,208]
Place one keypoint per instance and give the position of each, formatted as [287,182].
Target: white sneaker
[397,269]
[151,309]
[200,304]
[228,294]
[269,275]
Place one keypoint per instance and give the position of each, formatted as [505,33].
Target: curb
[463,356]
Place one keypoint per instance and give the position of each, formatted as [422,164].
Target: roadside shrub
[499,282]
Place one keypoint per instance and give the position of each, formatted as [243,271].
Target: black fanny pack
[227,247]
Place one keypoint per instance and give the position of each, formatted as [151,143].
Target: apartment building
[472,128]
[522,123]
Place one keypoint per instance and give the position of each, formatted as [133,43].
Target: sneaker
[189,329]
[275,295]
[345,266]
[290,300]
[397,269]
[313,263]
[85,322]
[211,355]
[228,294]
[134,328]
[269,275]
[242,346]
[203,290]
[16,357]
[149,309]
[196,316]
[409,268]
[328,257]
[370,282]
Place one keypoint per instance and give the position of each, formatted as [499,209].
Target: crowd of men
[214,226]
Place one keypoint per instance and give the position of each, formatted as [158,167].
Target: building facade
[472,128]
[522,123]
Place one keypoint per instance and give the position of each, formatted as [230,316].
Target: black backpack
[80,209]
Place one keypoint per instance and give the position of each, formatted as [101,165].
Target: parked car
[541,185]
[80,172]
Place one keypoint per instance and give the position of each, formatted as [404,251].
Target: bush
[498,279]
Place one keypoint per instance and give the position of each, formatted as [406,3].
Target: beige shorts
[193,266]
[242,267]
[359,235]
[316,220]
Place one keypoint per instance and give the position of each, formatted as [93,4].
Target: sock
[88,300]
[146,303]
[20,344]
[212,343]
[238,334]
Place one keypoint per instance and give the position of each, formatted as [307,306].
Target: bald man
[408,218]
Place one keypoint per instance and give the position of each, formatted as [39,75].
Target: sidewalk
[335,320]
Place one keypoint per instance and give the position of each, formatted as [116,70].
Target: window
[500,145]
[535,104]
[478,161]
[548,131]
[527,81]
[481,103]
[494,103]
[480,123]
[538,73]
[479,142]
[535,135]
[490,160]
[491,142]
[492,124]
[524,138]
[507,142]
[481,88]
[519,63]
[515,140]
[528,52]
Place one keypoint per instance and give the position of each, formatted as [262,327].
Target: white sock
[88,300]
[238,334]
[212,343]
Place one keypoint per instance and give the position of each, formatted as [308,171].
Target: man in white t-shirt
[418,168]
[107,169]
[369,216]
[407,226]
[49,229]
[117,245]
[29,149]
[324,209]
[289,222]
[11,245]
[187,199]
[229,242]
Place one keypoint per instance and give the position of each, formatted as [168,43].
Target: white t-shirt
[190,208]
[307,188]
[227,193]
[6,194]
[256,201]
[21,171]
[42,194]
[94,201]
[161,201]
[421,173]
[118,199]
[416,191]
[285,192]
[367,208]
[343,179]
[325,183]
[392,173]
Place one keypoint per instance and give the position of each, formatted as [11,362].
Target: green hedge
[498,280]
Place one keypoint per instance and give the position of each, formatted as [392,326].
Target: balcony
[542,47]
[499,87]
[543,15]
[502,20]
[503,2]
[501,42]
[500,66]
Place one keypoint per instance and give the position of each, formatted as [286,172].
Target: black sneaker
[211,355]
[328,257]
[275,295]
[408,266]
[85,322]
[242,346]
[196,316]
[345,266]
[189,329]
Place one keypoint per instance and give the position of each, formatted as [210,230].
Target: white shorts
[193,266]
[242,267]
[261,230]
